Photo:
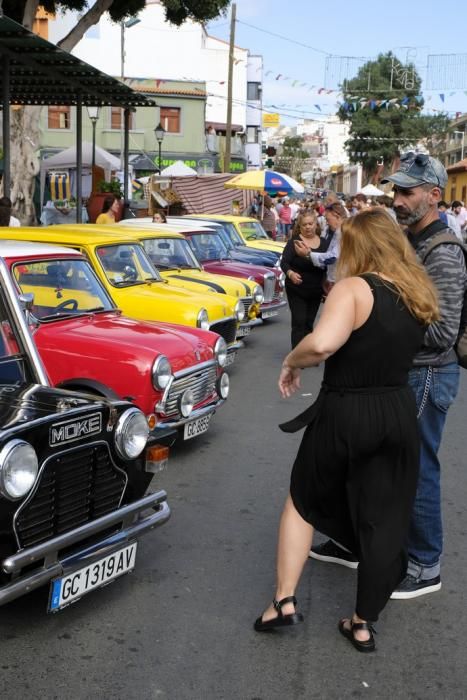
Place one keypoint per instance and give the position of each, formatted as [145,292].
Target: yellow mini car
[250,230]
[136,286]
[173,257]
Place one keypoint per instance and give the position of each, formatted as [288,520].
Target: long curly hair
[308,213]
[373,242]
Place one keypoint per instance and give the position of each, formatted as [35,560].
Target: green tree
[24,160]
[291,160]
[380,130]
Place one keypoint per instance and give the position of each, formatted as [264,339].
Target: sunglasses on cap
[415,158]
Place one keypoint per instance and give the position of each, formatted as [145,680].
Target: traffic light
[271,151]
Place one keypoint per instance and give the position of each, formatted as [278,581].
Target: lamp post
[463,139]
[160,133]
[93,114]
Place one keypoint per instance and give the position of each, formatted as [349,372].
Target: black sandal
[368,645]
[281,620]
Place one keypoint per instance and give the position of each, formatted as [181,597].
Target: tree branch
[91,17]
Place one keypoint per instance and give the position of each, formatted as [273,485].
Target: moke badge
[75,429]
[197,354]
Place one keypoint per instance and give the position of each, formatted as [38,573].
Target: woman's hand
[294,277]
[289,381]
[301,248]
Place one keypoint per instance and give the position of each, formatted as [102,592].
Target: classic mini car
[249,230]
[237,250]
[173,257]
[172,373]
[213,256]
[135,285]
[74,471]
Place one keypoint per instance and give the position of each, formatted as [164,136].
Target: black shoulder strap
[442,239]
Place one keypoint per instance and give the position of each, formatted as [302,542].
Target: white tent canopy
[371,191]
[66,160]
[178,169]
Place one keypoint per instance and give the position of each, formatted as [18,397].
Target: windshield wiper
[95,309]
[152,279]
[127,283]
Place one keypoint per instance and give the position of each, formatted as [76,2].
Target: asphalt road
[180,626]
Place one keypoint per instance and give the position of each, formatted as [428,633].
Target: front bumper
[273,306]
[198,413]
[129,517]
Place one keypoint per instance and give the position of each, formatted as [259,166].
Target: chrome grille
[227,329]
[269,286]
[75,487]
[202,384]
[247,302]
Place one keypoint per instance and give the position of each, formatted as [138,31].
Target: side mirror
[26,301]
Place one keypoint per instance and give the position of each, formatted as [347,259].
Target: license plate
[196,427]
[268,314]
[230,358]
[69,588]
[243,331]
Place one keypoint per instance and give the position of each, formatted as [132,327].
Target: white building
[153,48]
[327,137]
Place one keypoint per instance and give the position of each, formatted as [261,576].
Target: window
[464,193]
[116,118]
[170,119]
[253,91]
[59,117]
[252,134]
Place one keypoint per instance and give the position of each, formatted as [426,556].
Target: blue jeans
[435,389]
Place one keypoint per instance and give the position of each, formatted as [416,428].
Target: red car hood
[113,335]
[238,269]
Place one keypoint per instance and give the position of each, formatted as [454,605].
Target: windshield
[127,264]
[232,234]
[61,288]
[253,231]
[170,253]
[208,246]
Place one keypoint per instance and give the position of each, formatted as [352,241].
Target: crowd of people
[367,473]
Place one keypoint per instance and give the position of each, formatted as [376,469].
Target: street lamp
[463,139]
[93,114]
[160,133]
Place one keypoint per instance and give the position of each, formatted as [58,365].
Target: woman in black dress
[304,283]
[356,471]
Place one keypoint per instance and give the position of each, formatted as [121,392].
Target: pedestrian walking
[285,217]
[304,281]
[434,378]
[356,471]
[268,219]
[110,209]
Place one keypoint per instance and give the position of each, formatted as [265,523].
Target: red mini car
[214,257]
[173,373]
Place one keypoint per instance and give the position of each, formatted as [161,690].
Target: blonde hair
[373,242]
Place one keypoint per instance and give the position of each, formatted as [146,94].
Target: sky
[412,29]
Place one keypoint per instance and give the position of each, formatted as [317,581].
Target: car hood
[248,255]
[236,267]
[128,339]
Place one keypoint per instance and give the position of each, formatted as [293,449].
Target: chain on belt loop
[426,391]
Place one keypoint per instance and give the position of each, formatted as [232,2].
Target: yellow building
[456,187]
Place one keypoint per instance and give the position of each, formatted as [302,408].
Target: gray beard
[412,217]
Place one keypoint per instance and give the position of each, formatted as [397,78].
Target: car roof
[70,234]
[150,230]
[13,249]
[224,217]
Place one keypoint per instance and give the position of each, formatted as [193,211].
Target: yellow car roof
[71,234]
[224,217]
[143,231]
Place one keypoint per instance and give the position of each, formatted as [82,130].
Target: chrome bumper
[198,413]
[273,305]
[54,567]
[251,323]
[233,347]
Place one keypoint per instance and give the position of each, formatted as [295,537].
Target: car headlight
[161,373]
[282,280]
[186,403]
[131,433]
[202,320]
[239,311]
[18,469]
[220,351]
[223,385]
[258,295]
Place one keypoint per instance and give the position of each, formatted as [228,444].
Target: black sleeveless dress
[355,475]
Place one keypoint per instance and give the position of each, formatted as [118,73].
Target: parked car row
[133,326]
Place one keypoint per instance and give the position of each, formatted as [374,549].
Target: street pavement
[180,626]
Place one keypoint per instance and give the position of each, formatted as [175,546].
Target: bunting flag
[441,96]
